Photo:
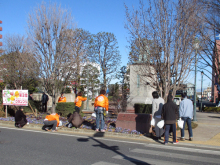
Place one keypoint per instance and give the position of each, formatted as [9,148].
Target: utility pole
[201,90]
[196,46]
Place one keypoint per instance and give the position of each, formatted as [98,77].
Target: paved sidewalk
[207,132]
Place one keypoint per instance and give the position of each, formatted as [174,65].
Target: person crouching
[53,121]
[20,118]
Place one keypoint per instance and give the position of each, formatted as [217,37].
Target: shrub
[66,108]
[211,109]
[143,108]
[2,112]
[34,105]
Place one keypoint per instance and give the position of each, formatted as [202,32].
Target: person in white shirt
[157,105]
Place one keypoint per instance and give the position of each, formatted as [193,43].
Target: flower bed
[88,123]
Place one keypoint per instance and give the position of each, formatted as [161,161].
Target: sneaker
[54,131]
[97,130]
[70,125]
[165,143]
[190,139]
[102,130]
[182,139]
[176,142]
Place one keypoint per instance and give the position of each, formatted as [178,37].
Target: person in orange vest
[78,102]
[52,120]
[62,99]
[101,105]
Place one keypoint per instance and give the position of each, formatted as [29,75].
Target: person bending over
[53,121]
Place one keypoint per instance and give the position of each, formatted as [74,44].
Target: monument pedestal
[134,121]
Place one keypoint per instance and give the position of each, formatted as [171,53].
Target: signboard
[15,97]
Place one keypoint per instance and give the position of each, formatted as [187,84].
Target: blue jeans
[188,121]
[167,129]
[100,116]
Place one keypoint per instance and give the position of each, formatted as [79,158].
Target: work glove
[106,112]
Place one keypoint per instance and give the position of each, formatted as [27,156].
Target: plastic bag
[160,124]
[93,114]
[60,123]
[152,122]
[180,123]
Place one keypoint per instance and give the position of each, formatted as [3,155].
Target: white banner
[15,97]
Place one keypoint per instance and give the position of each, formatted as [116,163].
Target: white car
[177,100]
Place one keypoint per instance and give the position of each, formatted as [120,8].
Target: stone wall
[70,97]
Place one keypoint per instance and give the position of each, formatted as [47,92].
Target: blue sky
[91,15]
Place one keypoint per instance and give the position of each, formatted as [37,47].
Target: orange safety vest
[101,101]
[53,116]
[78,100]
[62,99]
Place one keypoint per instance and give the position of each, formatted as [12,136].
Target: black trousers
[22,122]
[44,107]
[77,109]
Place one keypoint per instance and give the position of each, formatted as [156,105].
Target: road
[22,147]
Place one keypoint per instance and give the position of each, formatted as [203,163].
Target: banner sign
[15,97]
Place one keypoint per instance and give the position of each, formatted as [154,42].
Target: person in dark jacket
[44,100]
[170,113]
[20,118]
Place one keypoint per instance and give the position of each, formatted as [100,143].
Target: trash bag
[77,120]
[180,123]
[160,124]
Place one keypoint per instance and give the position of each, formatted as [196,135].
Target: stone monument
[140,92]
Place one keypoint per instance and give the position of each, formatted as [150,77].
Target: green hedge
[143,108]
[211,109]
[66,108]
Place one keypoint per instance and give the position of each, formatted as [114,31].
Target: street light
[196,46]
[201,90]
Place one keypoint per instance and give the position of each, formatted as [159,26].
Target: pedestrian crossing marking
[194,150]
[175,155]
[104,163]
[142,160]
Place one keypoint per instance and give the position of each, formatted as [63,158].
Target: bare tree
[80,44]
[19,67]
[162,37]
[209,61]
[50,30]
[104,51]
[209,15]
[90,74]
